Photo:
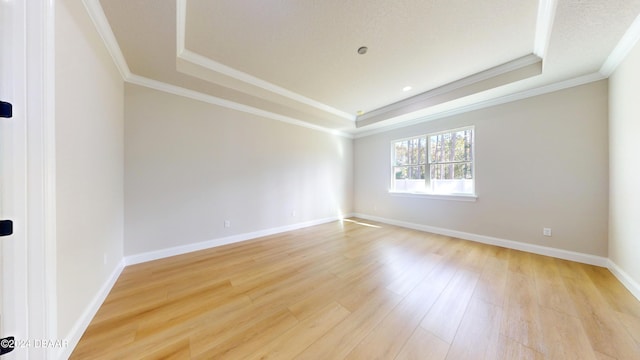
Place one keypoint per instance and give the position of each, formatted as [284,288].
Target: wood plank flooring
[363,290]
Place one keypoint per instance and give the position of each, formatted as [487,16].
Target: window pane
[416,172]
[451,171]
[462,171]
[439,148]
[463,145]
[412,150]
[451,147]
[437,171]
[401,172]
[446,144]
[400,153]
[433,149]
[412,173]
[457,147]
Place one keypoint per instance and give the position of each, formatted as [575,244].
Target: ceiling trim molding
[196,95]
[544,25]
[205,62]
[101,23]
[514,70]
[581,80]
[622,49]
[96,13]
[212,65]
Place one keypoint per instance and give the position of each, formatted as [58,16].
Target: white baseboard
[83,322]
[183,249]
[632,285]
[516,245]
[625,279]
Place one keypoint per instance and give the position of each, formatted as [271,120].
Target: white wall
[540,162]
[192,165]
[89,163]
[624,132]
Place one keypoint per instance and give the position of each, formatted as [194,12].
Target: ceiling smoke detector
[362,50]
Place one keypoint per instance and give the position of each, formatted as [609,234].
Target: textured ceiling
[310,47]
[298,59]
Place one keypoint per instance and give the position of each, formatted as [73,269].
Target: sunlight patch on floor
[362,223]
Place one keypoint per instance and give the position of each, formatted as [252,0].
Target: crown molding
[96,13]
[544,24]
[104,30]
[196,95]
[511,71]
[216,67]
[622,49]
[99,19]
[197,59]
[581,80]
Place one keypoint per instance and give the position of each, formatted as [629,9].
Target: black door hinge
[6,109]
[6,227]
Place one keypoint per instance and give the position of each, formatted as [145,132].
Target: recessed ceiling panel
[310,47]
[298,61]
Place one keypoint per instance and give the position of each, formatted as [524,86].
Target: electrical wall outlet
[293,213]
[546,232]
[227,223]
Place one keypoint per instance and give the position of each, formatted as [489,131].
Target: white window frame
[427,193]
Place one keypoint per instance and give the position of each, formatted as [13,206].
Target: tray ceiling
[297,60]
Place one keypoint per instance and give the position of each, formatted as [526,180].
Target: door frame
[32,186]
[41,205]
[12,156]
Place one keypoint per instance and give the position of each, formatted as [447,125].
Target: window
[440,163]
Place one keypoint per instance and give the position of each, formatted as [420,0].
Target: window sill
[452,197]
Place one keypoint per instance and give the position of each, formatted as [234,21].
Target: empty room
[357,179]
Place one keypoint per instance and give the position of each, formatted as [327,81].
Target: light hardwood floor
[363,290]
